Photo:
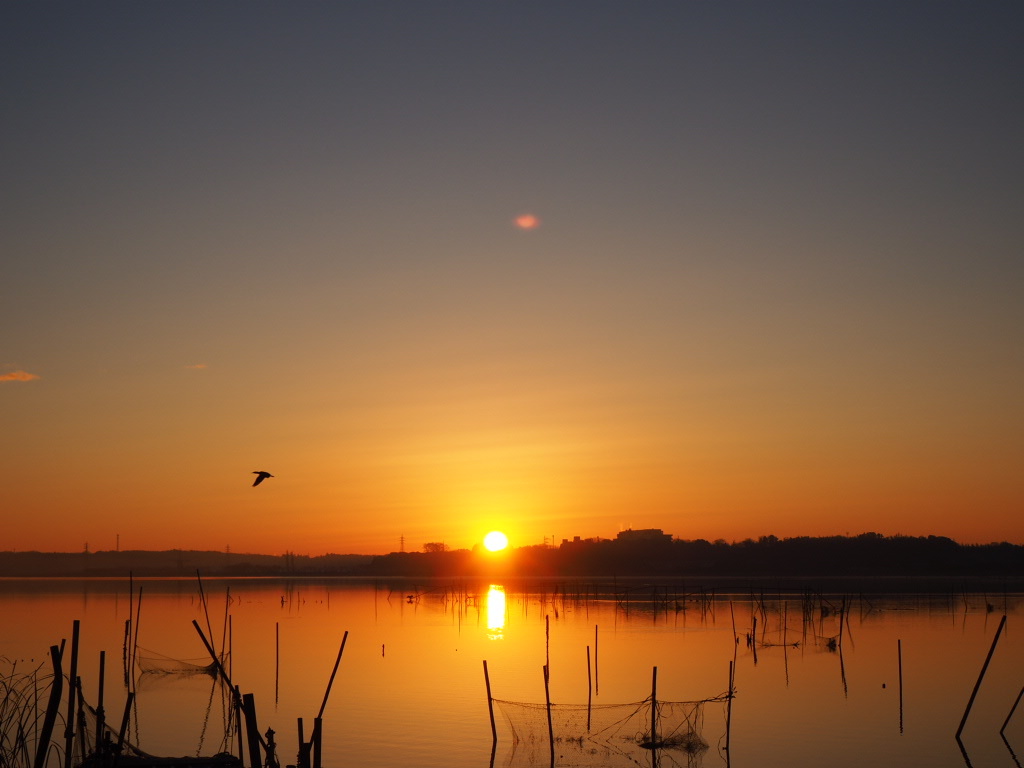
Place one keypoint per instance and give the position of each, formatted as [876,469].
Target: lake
[817,677]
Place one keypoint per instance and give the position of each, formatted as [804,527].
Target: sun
[495,540]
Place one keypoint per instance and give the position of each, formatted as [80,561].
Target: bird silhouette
[260,477]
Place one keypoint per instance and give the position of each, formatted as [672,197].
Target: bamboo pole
[597,688]
[899,664]
[100,713]
[334,672]
[213,653]
[728,712]
[318,741]
[69,724]
[123,730]
[551,727]
[490,705]
[277,660]
[135,636]
[654,709]
[252,731]
[590,690]
[303,756]
[52,708]
[981,676]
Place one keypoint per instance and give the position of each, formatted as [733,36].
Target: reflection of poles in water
[1010,749]
[206,717]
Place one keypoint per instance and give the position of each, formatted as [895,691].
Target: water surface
[817,677]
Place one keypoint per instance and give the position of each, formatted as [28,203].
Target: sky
[559,269]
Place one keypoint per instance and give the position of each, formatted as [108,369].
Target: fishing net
[156,663]
[611,735]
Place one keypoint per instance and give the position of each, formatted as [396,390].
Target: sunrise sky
[553,268]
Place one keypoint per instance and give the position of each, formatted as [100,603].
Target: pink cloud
[196,367]
[18,376]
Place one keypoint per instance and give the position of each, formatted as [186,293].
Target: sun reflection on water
[495,612]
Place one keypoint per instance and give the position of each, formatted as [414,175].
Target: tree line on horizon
[864,555]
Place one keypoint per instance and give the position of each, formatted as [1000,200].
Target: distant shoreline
[870,559]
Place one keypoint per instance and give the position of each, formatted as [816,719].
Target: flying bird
[260,477]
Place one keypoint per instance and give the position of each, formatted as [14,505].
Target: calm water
[410,689]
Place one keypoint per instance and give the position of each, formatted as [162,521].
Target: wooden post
[52,708]
[100,714]
[977,685]
[123,730]
[547,642]
[252,731]
[135,636]
[303,756]
[318,740]
[330,682]
[728,712]
[551,727]
[490,705]
[590,690]
[899,664]
[236,697]
[597,688]
[69,724]
[654,709]
[213,654]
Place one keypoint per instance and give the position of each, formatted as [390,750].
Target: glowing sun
[495,540]
[527,221]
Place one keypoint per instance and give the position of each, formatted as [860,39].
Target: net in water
[612,735]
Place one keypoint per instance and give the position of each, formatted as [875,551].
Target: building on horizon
[643,535]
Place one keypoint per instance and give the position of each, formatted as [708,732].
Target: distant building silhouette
[644,535]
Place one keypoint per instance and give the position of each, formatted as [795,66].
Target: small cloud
[527,221]
[196,367]
[18,376]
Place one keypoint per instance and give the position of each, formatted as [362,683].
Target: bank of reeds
[23,697]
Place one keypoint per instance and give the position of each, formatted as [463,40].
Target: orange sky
[769,286]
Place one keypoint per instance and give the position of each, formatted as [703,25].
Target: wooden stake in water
[590,690]
[977,685]
[69,724]
[551,726]
[277,659]
[728,712]
[654,709]
[597,689]
[899,664]
[100,714]
[334,672]
[52,708]
[490,705]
